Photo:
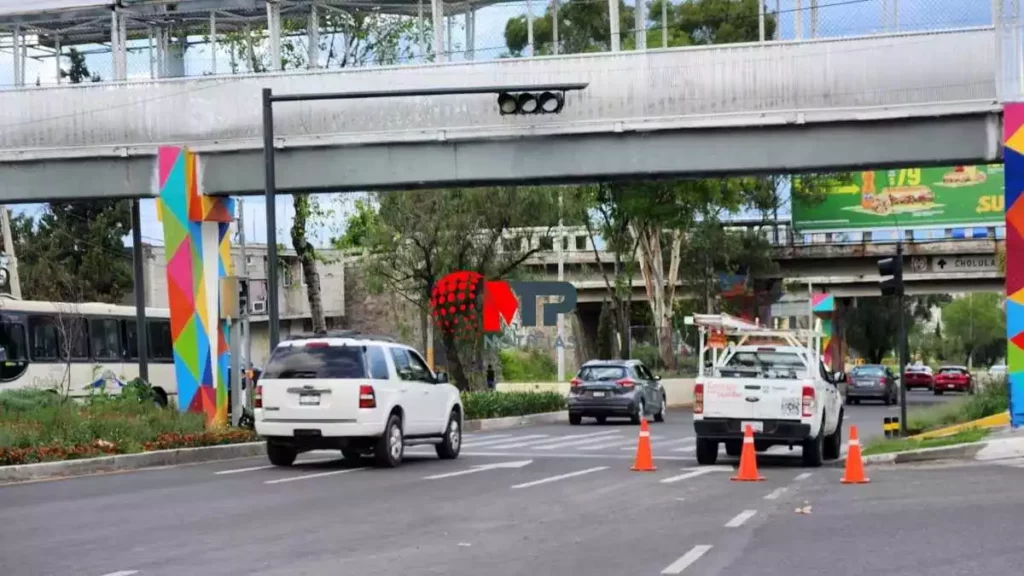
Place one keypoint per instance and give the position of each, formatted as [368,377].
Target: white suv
[358,394]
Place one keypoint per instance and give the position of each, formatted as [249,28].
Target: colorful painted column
[824,307]
[1013,155]
[197,246]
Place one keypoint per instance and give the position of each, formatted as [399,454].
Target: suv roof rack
[356,334]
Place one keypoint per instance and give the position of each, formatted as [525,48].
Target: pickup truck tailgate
[752,398]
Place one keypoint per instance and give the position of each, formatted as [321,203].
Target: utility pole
[891,271]
[561,278]
[246,348]
[12,259]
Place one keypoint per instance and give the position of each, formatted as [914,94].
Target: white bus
[78,348]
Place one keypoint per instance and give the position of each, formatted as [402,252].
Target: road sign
[919,264]
[978,263]
[480,468]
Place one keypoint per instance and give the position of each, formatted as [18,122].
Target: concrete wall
[678,390]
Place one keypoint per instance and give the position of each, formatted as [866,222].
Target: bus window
[106,339]
[12,338]
[76,333]
[131,344]
[45,343]
[160,345]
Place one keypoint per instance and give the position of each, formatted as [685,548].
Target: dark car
[953,379]
[871,382]
[616,389]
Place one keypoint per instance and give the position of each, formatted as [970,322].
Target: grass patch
[527,366]
[889,445]
[478,405]
[990,399]
[39,426]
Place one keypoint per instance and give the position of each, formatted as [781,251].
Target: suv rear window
[869,371]
[591,373]
[293,362]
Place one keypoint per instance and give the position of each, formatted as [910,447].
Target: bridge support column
[197,246]
[1013,158]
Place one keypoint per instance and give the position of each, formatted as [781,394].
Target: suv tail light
[626,383]
[367,399]
[808,401]
[698,398]
[883,380]
[257,397]
[575,382]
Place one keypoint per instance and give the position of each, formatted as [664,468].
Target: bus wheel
[159,397]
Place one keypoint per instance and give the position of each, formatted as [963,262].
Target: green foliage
[872,324]
[527,366]
[78,72]
[75,252]
[647,354]
[479,405]
[358,227]
[33,418]
[887,446]
[976,324]
[583,26]
[991,398]
[605,333]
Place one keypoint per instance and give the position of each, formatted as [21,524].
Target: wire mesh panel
[662,349]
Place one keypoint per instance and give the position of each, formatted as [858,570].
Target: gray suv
[616,389]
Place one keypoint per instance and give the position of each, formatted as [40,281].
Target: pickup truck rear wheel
[707,451]
[733,447]
[281,455]
[814,449]
[834,443]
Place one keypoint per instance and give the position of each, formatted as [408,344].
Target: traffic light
[528,103]
[891,271]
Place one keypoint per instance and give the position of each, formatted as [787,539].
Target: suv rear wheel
[391,445]
[281,455]
[450,445]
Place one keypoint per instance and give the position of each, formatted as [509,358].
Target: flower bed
[40,426]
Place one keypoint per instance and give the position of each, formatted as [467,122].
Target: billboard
[908,198]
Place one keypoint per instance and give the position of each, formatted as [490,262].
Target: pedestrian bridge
[874,101]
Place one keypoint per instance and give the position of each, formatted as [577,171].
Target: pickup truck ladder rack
[731,326]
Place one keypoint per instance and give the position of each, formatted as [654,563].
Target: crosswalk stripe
[559,477]
[535,443]
[572,443]
[531,437]
[483,437]
[629,443]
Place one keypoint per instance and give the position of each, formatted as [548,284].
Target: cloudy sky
[836,18]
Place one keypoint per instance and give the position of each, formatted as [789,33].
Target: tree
[358,227]
[78,72]
[583,26]
[605,332]
[75,249]
[422,236]
[872,324]
[976,322]
[349,38]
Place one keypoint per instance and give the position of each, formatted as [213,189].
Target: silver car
[871,382]
[616,389]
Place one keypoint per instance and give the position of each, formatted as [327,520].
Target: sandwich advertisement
[908,198]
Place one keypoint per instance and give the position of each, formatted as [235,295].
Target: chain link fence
[494,31]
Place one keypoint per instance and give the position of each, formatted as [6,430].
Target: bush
[478,405]
[991,398]
[647,354]
[527,366]
[37,426]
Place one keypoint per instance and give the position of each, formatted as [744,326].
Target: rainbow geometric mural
[198,250]
[824,306]
[1013,158]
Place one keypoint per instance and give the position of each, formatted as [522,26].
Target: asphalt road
[563,502]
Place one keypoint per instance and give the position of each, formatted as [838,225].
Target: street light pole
[903,348]
[270,178]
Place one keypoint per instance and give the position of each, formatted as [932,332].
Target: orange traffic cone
[644,461]
[854,473]
[748,460]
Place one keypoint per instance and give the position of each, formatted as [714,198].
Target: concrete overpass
[879,101]
[844,266]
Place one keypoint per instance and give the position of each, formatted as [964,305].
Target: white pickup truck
[784,392]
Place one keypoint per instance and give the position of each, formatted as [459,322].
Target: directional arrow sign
[480,468]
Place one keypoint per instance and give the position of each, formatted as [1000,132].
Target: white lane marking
[255,468]
[685,449]
[485,452]
[480,468]
[775,493]
[559,477]
[318,475]
[688,439]
[534,444]
[802,476]
[740,519]
[532,437]
[685,560]
[694,474]
[122,573]
[578,442]
[615,444]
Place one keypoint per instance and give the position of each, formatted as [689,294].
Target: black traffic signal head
[891,271]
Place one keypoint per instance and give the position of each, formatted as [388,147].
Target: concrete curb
[983,451]
[492,424]
[122,462]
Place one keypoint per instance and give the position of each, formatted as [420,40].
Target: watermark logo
[453,303]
